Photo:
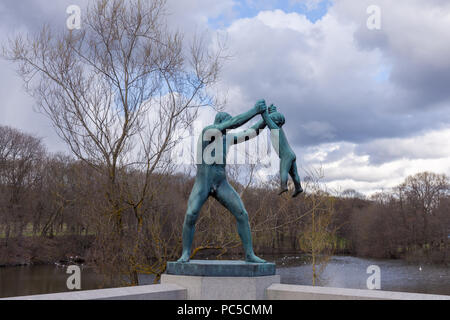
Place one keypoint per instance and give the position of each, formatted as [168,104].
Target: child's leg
[295,177]
[284,174]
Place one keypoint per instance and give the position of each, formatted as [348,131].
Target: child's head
[278,118]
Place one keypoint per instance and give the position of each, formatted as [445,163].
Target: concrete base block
[222,288]
[149,292]
[296,292]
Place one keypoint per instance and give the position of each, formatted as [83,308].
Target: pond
[351,272]
[341,271]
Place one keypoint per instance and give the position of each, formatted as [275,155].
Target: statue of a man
[211,179]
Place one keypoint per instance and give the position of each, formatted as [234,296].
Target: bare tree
[410,222]
[425,192]
[116,92]
[20,156]
[318,237]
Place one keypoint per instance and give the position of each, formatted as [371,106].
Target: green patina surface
[211,181]
[221,268]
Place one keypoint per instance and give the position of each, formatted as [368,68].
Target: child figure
[288,163]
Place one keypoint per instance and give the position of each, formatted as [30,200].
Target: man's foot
[297,192]
[282,191]
[253,258]
[185,257]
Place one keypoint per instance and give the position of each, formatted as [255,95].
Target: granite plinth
[220,268]
[222,288]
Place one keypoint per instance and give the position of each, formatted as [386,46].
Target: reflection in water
[29,280]
[344,272]
[350,272]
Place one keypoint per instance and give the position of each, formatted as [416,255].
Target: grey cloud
[414,38]
[32,14]
[321,76]
[319,130]
[293,70]
[17,110]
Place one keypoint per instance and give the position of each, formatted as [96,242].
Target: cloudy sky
[369,106]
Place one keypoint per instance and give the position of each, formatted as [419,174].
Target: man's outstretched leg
[229,198]
[196,200]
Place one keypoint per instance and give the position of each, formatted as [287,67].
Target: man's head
[221,117]
[278,118]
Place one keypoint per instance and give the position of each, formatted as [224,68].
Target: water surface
[351,272]
[341,271]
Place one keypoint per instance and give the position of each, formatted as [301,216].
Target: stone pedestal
[222,288]
[222,279]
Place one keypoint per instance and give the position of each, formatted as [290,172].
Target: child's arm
[268,120]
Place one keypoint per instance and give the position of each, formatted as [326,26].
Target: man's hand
[260,106]
[272,108]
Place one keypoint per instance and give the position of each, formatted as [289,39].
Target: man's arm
[248,134]
[241,119]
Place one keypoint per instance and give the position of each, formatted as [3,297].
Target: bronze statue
[211,178]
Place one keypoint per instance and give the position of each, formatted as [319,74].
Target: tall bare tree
[116,92]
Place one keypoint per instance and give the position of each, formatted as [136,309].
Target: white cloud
[313,71]
[368,179]
[371,107]
[355,102]
[351,166]
[431,145]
